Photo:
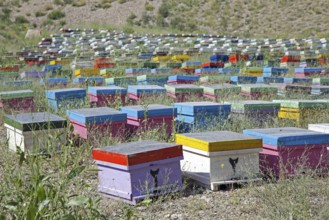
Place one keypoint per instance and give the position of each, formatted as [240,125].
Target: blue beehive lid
[138,70]
[288,136]
[181,77]
[207,70]
[244,79]
[27,83]
[193,108]
[274,71]
[161,71]
[53,81]
[51,67]
[308,70]
[65,93]
[146,89]
[107,90]
[153,110]
[88,79]
[96,115]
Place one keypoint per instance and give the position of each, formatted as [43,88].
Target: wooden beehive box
[181,92]
[96,122]
[219,157]
[106,95]
[291,151]
[64,98]
[133,171]
[31,132]
[21,100]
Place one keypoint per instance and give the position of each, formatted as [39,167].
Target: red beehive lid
[139,152]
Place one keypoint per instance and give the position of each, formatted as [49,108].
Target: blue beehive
[274,71]
[153,110]
[64,98]
[243,80]
[219,58]
[200,115]
[182,78]
[51,68]
[106,90]
[207,71]
[18,84]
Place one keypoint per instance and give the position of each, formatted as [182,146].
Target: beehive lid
[65,93]
[184,88]
[181,77]
[146,89]
[96,115]
[134,153]
[152,110]
[35,121]
[221,88]
[88,79]
[16,94]
[106,90]
[305,104]
[152,77]
[288,136]
[192,108]
[218,141]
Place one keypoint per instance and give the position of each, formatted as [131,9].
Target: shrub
[56,15]
[21,20]
[39,14]
[79,3]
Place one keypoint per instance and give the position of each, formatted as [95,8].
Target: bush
[79,3]
[39,14]
[21,20]
[56,15]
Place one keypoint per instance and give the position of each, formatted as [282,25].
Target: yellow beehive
[60,62]
[86,71]
[252,71]
[161,58]
[180,58]
[224,141]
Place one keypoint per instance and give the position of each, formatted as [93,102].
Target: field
[63,184]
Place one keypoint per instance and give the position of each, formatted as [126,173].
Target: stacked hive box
[138,93]
[94,122]
[64,98]
[302,110]
[133,171]
[159,80]
[289,151]
[179,79]
[21,100]
[219,157]
[200,115]
[259,110]
[121,81]
[215,92]
[252,71]
[31,131]
[103,96]
[267,79]
[183,91]
[153,116]
[208,71]
[255,91]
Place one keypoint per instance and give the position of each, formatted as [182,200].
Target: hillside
[255,18]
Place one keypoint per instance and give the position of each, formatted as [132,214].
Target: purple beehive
[133,171]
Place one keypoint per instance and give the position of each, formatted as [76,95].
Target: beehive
[20,100]
[219,157]
[133,171]
[97,122]
[291,151]
[182,92]
[31,132]
[217,91]
[65,98]
[138,93]
[105,95]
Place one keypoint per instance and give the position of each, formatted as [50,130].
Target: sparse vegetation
[56,15]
